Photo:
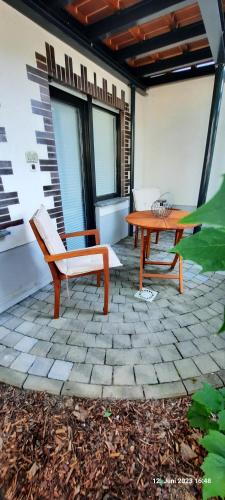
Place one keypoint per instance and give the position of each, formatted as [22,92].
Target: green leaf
[206,248]
[214,442]
[222,329]
[221,420]
[212,213]
[214,471]
[199,417]
[222,391]
[107,413]
[211,399]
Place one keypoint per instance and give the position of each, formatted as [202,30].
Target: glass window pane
[69,155]
[105,147]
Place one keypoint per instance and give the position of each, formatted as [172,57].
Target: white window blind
[69,156]
[105,148]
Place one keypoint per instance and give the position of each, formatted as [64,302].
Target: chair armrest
[79,253]
[89,232]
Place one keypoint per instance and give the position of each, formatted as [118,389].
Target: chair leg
[57,289]
[157,237]
[106,292]
[98,274]
[136,237]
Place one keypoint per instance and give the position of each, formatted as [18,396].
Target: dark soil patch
[65,448]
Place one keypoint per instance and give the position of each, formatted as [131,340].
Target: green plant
[207,413]
[207,247]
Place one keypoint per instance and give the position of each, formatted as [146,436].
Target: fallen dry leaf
[186,452]
[31,473]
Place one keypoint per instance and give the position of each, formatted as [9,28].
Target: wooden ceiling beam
[186,59]
[129,17]
[176,36]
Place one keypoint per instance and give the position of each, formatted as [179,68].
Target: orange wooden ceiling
[163,24]
[178,50]
[91,11]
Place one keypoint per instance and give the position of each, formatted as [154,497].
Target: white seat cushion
[85,264]
[54,244]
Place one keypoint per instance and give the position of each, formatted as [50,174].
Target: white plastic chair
[143,200]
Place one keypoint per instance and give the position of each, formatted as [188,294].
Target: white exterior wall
[172,140]
[22,267]
[19,39]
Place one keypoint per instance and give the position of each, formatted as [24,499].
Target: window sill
[111,201]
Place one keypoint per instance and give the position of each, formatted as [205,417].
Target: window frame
[87,186]
[117,192]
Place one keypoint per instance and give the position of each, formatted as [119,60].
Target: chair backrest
[48,237]
[145,197]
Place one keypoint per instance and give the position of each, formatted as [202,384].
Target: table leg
[181,288]
[148,244]
[142,250]
[179,234]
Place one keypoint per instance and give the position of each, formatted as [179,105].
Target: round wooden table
[149,223]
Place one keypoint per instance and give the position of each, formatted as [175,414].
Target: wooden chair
[85,261]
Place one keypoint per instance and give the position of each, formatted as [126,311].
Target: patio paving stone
[25,344]
[204,345]
[101,374]
[60,370]
[81,390]
[41,366]
[150,355]
[145,374]
[7,356]
[205,363]
[219,358]
[11,339]
[187,368]
[12,377]
[36,383]
[3,332]
[122,341]
[23,362]
[41,348]
[187,349]
[195,383]
[123,392]
[95,356]
[169,353]
[123,375]
[139,350]
[166,372]
[81,373]
[167,390]
[76,354]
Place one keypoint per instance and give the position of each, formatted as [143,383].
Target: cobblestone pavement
[140,350]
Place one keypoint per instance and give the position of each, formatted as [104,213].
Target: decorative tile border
[6,199]
[46,67]
[49,164]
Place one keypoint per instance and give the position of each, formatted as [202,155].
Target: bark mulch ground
[66,448]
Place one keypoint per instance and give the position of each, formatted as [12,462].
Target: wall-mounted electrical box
[32,159]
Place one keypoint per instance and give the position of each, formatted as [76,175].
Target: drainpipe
[132,147]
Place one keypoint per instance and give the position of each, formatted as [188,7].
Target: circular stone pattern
[139,350]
